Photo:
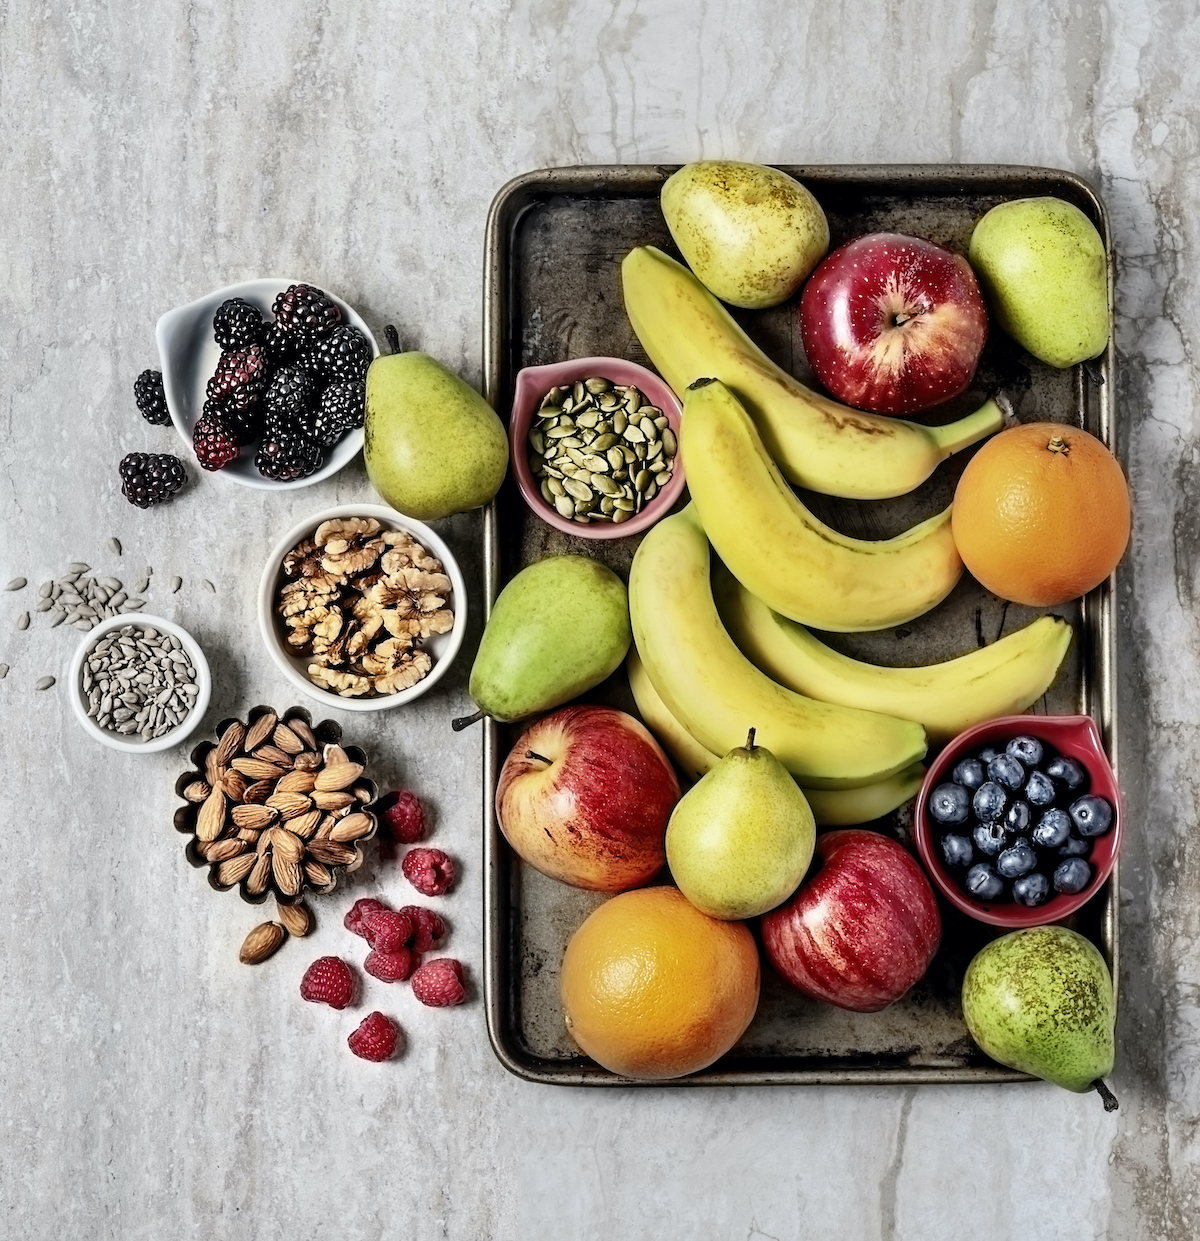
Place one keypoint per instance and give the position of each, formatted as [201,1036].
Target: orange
[653,988]
[1041,514]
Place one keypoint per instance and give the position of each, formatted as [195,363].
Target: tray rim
[1097,608]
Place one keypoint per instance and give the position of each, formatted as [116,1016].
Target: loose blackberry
[151,399]
[240,377]
[245,425]
[305,313]
[237,324]
[215,444]
[345,354]
[285,454]
[151,477]
[291,395]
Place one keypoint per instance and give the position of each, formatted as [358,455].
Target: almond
[230,742]
[223,850]
[335,756]
[259,731]
[290,805]
[296,782]
[287,874]
[254,816]
[305,824]
[318,875]
[363,793]
[213,770]
[249,834]
[197,791]
[234,784]
[331,801]
[256,769]
[327,825]
[352,827]
[296,918]
[257,883]
[287,740]
[259,791]
[286,846]
[331,852]
[211,818]
[272,754]
[235,869]
[309,760]
[261,943]
[302,730]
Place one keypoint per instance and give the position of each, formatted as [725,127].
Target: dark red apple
[862,929]
[893,324]
[584,796]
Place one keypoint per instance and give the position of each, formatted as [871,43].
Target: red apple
[893,324]
[861,930]
[584,796]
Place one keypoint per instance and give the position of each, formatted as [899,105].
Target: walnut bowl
[440,647]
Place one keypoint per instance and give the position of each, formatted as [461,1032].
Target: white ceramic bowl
[443,647]
[115,741]
[189,354]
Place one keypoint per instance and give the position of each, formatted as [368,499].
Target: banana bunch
[817,442]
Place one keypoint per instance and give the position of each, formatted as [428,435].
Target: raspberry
[429,927]
[430,871]
[353,920]
[391,966]
[406,818]
[328,980]
[214,443]
[387,931]
[439,983]
[375,1039]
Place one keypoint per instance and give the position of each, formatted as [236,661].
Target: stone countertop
[152,1086]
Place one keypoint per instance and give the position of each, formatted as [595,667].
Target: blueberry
[1067,770]
[968,773]
[988,753]
[1005,769]
[1091,815]
[957,850]
[983,883]
[1031,889]
[1052,829]
[1016,817]
[989,801]
[1039,789]
[1027,749]
[1075,847]
[1016,860]
[1070,876]
[949,803]
[989,838]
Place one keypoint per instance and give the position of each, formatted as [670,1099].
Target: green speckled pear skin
[1041,264]
[557,629]
[1041,1000]
[433,446]
[740,839]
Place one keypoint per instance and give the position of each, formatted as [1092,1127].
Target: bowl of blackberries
[1018,821]
[266,381]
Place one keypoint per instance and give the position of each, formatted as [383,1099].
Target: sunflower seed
[18,583]
[209,586]
[43,683]
[77,567]
[114,545]
[3,671]
[23,621]
[176,583]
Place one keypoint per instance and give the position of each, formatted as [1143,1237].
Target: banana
[714,691]
[1002,679]
[830,807]
[817,442]
[783,554]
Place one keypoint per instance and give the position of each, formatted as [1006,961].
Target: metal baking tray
[555,239]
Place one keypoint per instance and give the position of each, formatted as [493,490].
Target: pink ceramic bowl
[532,385]
[1077,737]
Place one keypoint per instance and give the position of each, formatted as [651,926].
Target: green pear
[433,446]
[1044,273]
[557,629]
[751,234]
[741,838]
[1041,1000]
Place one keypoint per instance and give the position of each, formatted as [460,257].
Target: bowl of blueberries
[1019,820]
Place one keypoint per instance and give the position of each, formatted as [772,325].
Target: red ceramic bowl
[533,383]
[1077,737]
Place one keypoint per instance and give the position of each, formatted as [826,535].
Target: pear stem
[1110,1099]
[465,721]
[750,741]
[393,338]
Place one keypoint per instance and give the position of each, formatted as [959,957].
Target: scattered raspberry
[430,928]
[406,818]
[439,983]
[328,980]
[391,966]
[375,1039]
[353,920]
[387,931]
[430,871]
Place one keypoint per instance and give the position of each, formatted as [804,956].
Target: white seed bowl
[443,647]
[115,741]
[188,354]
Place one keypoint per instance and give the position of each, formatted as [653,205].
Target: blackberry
[151,399]
[286,454]
[345,354]
[305,313]
[280,346]
[245,425]
[213,441]
[240,377]
[340,408]
[291,395]
[237,324]
[151,477]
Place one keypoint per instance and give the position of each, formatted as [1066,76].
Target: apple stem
[393,338]
[1110,1099]
[750,740]
[465,721]
[541,758]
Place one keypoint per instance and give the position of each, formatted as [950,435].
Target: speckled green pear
[1041,1000]
[751,234]
[741,838]
[1041,264]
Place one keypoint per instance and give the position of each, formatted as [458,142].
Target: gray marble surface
[154,1088]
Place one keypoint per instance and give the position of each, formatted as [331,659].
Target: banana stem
[954,436]
[1110,1099]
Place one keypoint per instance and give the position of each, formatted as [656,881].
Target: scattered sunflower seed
[43,683]
[18,583]
[209,586]
[176,583]
[3,671]
[114,545]
[23,621]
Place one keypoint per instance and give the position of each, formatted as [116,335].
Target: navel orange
[654,989]
[1041,514]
